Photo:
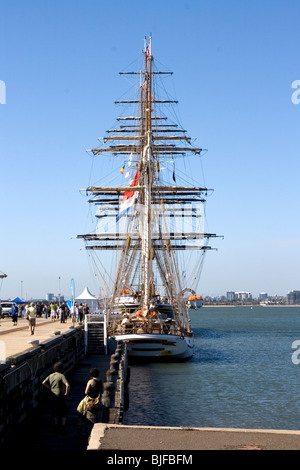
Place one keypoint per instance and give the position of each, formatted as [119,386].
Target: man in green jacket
[59,387]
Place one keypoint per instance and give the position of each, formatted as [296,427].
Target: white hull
[157,346]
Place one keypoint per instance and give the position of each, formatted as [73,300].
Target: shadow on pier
[37,433]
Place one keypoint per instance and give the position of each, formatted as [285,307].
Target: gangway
[95,334]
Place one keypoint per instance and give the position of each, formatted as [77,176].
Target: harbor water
[244,374]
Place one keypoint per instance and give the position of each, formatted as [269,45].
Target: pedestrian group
[89,407]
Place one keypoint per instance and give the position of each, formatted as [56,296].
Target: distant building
[55,298]
[230,296]
[293,297]
[243,295]
[263,295]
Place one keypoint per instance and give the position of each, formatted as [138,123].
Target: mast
[147,274]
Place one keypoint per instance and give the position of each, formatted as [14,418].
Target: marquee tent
[86,295]
[87,298]
[17,300]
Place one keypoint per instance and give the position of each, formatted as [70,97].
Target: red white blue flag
[129,197]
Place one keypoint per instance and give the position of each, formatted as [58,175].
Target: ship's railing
[140,327]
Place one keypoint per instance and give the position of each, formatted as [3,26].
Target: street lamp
[59,291]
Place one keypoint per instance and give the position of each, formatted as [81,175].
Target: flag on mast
[149,47]
[129,197]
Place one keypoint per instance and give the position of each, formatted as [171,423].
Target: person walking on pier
[14,314]
[31,316]
[80,313]
[53,311]
[59,387]
[63,312]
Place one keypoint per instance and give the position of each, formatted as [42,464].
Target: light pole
[59,291]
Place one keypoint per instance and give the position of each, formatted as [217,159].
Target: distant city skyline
[242,295]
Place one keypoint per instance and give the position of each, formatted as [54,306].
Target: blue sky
[234,62]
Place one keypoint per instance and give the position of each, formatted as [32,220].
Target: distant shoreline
[249,305]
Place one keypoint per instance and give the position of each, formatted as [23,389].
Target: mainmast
[146,181]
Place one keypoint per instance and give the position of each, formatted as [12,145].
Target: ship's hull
[151,346]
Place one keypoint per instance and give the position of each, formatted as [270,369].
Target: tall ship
[151,221]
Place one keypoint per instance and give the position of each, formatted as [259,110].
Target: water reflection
[241,375]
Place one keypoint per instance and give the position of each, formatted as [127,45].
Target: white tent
[87,298]
[86,295]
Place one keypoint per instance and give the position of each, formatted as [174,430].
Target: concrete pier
[28,360]
[108,437]
[38,433]
[17,338]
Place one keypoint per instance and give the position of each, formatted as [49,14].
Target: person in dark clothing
[14,314]
[80,313]
[86,310]
[94,386]
[93,390]
[39,310]
[59,387]
[63,312]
